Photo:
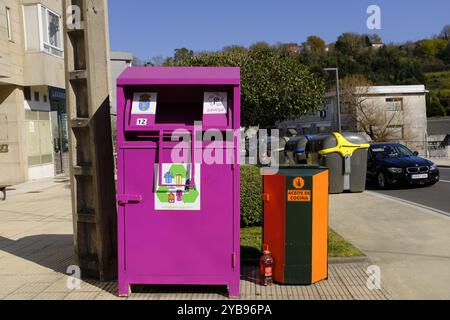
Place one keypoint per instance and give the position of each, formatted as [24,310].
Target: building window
[8,23]
[43,30]
[394,104]
[51,31]
[396,132]
[45,98]
[27,93]
[36,96]
[39,137]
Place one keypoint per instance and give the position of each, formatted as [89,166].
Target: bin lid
[180,76]
[297,170]
[344,146]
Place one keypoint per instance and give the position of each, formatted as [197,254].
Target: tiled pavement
[36,249]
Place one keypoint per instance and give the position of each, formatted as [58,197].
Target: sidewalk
[37,186]
[411,245]
[36,247]
[441,162]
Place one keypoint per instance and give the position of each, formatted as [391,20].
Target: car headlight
[395,170]
[433,167]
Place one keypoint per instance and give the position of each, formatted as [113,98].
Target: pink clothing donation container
[178,190]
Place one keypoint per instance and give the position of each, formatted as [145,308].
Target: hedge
[251,196]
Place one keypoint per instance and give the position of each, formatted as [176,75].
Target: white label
[420,176]
[144,103]
[141,122]
[177,191]
[215,103]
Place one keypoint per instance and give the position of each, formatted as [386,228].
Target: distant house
[33,117]
[439,137]
[291,47]
[377,45]
[406,103]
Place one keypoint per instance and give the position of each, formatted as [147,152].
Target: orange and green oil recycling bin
[296,223]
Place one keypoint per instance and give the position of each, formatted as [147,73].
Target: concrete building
[33,130]
[439,137]
[402,108]
[119,61]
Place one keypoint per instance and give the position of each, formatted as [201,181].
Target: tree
[260,45]
[375,39]
[136,62]
[315,43]
[353,53]
[156,61]
[434,106]
[314,54]
[445,54]
[392,66]
[445,33]
[350,44]
[182,54]
[366,113]
[431,47]
[275,86]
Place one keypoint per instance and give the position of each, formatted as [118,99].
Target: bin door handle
[123,199]
[266,197]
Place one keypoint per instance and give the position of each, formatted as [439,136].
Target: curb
[410,203]
[345,260]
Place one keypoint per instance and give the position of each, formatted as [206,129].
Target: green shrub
[251,196]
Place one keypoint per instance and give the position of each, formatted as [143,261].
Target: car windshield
[391,151]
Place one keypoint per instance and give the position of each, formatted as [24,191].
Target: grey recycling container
[346,157]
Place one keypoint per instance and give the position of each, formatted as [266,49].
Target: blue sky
[151,28]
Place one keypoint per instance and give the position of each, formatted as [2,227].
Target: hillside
[439,85]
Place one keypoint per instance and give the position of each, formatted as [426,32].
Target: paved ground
[411,245]
[435,197]
[36,248]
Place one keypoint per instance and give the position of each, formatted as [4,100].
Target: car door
[371,165]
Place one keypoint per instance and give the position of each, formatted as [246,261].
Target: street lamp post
[338,96]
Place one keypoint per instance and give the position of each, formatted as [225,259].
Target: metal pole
[60,132]
[338,92]
[338,97]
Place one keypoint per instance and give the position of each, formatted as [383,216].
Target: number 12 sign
[141,122]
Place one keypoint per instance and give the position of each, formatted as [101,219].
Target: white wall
[40,172]
[31,28]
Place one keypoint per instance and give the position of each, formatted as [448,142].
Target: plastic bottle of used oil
[266,268]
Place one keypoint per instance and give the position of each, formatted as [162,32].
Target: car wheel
[382,182]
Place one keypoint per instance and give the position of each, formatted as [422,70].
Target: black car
[393,163]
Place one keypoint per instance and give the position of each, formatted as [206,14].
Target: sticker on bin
[299,183]
[179,189]
[215,103]
[144,103]
[299,195]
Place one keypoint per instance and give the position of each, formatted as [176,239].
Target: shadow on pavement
[55,252]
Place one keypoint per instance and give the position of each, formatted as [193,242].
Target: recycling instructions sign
[178,191]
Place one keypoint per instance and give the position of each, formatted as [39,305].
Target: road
[436,197]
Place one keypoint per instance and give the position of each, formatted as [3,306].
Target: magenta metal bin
[178,218]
